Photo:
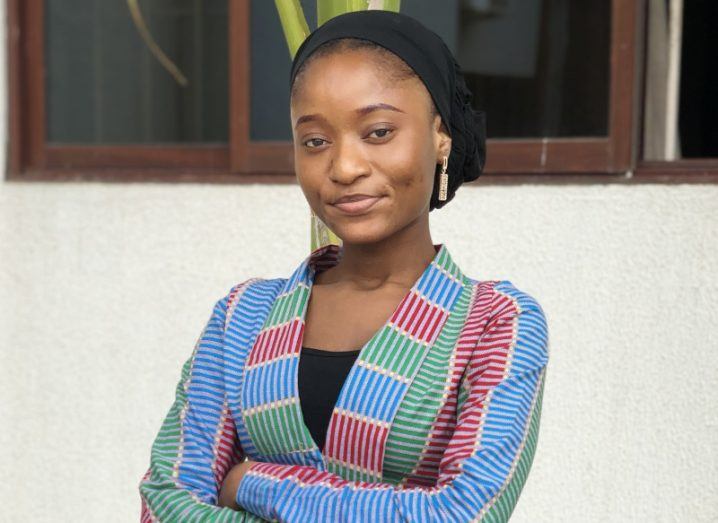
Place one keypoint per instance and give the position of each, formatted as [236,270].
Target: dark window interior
[699,80]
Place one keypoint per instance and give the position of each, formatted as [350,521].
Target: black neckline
[330,353]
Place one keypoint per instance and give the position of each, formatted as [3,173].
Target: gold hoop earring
[444,180]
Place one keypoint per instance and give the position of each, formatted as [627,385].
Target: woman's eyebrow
[375,107]
[307,118]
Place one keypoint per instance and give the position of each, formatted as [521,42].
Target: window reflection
[105,87]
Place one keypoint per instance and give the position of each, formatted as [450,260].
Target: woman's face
[358,135]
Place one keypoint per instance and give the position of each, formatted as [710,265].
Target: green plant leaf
[294,23]
[385,5]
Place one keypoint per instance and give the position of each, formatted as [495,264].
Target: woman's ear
[442,139]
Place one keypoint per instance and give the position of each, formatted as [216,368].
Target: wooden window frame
[32,158]
[607,159]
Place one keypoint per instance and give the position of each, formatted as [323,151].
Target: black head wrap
[427,54]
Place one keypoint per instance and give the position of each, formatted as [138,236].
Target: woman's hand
[231,484]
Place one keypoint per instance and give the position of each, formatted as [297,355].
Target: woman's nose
[349,162]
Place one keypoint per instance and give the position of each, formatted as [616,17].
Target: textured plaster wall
[104,289]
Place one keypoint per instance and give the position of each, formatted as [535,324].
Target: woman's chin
[361,233]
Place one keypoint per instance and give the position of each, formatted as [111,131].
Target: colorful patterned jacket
[437,420]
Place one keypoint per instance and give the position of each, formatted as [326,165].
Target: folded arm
[197,444]
[483,468]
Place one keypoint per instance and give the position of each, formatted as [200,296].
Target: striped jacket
[437,420]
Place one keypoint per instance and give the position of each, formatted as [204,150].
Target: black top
[321,376]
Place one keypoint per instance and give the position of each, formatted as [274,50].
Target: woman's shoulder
[500,301]
[502,314]
[258,287]
[256,284]
[254,293]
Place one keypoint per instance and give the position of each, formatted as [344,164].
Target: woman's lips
[359,206]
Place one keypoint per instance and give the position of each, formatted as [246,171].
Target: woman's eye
[314,142]
[381,133]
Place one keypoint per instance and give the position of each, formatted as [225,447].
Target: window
[202,95]
[680,114]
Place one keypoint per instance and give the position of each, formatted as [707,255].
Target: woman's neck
[398,260]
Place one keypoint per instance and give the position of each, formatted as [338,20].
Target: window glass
[680,106]
[540,68]
[104,85]
[698,103]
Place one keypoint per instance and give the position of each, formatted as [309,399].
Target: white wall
[105,287]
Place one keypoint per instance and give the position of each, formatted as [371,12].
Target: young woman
[417,394]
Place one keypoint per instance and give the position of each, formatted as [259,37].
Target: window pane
[538,68]
[680,106]
[698,105]
[104,86]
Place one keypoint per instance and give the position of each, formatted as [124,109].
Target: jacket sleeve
[484,466]
[197,443]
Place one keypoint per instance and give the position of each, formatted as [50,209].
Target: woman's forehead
[354,77]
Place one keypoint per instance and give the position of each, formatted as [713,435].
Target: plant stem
[294,23]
